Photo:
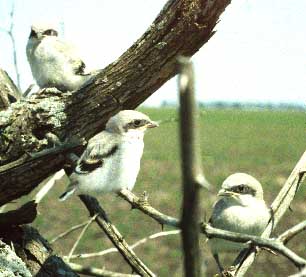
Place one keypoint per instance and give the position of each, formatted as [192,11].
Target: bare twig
[270,243]
[136,244]
[9,32]
[80,236]
[67,232]
[113,234]
[144,206]
[213,232]
[279,207]
[292,232]
[93,271]
[193,177]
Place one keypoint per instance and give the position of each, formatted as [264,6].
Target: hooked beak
[33,34]
[152,124]
[223,192]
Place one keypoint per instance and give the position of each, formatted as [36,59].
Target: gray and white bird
[111,160]
[54,63]
[241,209]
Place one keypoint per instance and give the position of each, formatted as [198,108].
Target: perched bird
[111,160]
[241,209]
[53,62]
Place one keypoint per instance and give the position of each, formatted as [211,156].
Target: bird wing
[100,147]
[72,57]
[217,209]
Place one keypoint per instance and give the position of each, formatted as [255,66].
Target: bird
[54,63]
[240,209]
[111,160]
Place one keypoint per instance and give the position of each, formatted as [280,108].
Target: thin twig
[271,243]
[9,32]
[113,234]
[80,236]
[93,271]
[136,244]
[144,206]
[292,232]
[210,231]
[67,232]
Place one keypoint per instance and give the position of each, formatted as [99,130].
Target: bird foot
[144,198]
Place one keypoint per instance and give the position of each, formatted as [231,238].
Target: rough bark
[181,28]
[35,252]
[9,93]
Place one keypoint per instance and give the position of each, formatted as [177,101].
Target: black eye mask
[50,32]
[243,189]
[137,123]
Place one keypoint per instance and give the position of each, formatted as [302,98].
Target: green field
[265,144]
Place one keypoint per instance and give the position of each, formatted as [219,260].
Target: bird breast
[251,219]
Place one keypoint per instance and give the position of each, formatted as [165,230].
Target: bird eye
[50,32]
[243,189]
[137,122]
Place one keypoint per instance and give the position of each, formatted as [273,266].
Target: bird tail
[70,190]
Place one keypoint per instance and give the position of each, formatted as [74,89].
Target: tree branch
[35,252]
[136,244]
[113,234]
[193,177]
[9,93]
[271,243]
[144,206]
[181,28]
[93,271]
[209,231]
[67,232]
[292,232]
[80,237]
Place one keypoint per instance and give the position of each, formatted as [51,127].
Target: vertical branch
[193,177]
[9,32]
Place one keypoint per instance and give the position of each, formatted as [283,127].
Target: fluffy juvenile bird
[241,209]
[53,62]
[111,160]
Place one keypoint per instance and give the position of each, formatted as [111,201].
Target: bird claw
[143,199]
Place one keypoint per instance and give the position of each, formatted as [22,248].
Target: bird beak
[33,34]
[223,192]
[152,124]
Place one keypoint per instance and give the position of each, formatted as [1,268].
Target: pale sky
[257,54]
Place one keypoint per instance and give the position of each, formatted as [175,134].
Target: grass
[265,144]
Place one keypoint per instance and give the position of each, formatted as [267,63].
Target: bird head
[242,188]
[41,30]
[130,121]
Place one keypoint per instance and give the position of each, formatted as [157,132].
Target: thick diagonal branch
[181,28]
[113,234]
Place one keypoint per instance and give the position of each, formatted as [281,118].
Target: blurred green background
[266,144]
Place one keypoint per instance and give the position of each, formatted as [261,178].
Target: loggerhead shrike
[111,160]
[241,209]
[54,63]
